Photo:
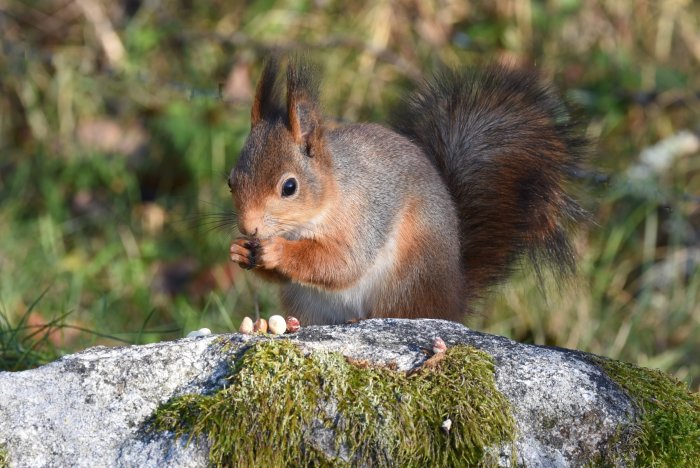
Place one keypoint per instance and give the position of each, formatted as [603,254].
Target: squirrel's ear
[303,114]
[266,102]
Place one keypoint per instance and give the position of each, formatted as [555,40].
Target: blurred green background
[119,122]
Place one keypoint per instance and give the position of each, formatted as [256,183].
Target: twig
[111,44]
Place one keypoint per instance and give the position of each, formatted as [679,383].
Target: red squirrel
[362,221]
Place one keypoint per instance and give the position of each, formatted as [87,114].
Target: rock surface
[89,409]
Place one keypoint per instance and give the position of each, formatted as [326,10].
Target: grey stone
[89,409]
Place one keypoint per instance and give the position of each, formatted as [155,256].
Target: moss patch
[668,432]
[278,401]
[4,458]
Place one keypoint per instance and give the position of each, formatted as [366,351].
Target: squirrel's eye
[289,187]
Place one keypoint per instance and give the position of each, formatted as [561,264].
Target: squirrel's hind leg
[426,280]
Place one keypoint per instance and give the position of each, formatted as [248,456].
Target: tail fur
[506,147]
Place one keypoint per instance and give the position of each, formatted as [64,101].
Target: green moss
[668,431]
[4,458]
[278,400]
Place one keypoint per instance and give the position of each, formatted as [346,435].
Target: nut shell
[246,326]
[293,324]
[277,325]
[198,333]
[260,325]
[446,425]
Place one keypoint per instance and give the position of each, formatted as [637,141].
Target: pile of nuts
[277,325]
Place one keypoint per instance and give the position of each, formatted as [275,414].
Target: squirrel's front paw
[271,251]
[245,252]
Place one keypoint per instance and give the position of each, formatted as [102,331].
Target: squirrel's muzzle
[250,223]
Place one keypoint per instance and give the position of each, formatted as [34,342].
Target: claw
[253,246]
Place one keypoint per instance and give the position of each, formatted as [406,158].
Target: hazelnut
[260,325]
[277,324]
[293,324]
[246,326]
[439,346]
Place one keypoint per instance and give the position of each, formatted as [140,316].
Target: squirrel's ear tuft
[267,94]
[303,113]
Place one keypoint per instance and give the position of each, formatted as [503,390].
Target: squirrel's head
[283,181]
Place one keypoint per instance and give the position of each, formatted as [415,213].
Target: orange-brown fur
[425,300]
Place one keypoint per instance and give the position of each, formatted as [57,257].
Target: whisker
[217,227]
[207,217]
[216,224]
[216,205]
[216,219]
[196,219]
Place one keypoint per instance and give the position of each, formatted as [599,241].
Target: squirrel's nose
[248,225]
[247,232]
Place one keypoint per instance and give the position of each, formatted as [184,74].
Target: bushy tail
[506,147]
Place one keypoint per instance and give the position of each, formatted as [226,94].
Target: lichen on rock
[278,402]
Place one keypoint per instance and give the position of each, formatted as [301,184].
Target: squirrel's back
[506,147]
[400,223]
[372,159]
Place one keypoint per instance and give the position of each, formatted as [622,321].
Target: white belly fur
[320,306]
